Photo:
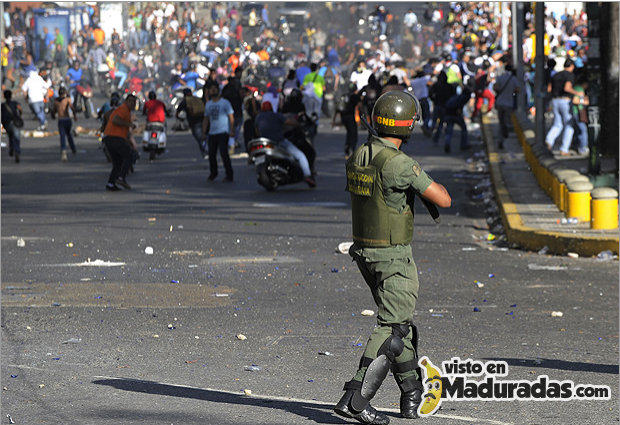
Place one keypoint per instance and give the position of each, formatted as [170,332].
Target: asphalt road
[233,258]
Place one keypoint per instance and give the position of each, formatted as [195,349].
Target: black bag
[17,120]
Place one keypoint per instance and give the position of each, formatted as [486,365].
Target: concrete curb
[529,237]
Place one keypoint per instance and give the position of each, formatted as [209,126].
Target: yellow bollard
[604,207]
[572,179]
[562,176]
[579,200]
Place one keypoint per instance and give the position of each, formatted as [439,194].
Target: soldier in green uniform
[382,181]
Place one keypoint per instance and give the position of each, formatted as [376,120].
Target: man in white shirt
[420,84]
[361,75]
[35,88]
[411,19]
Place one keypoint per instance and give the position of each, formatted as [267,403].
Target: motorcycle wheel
[265,180]
[88,108]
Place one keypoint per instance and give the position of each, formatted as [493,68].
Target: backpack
[195,107]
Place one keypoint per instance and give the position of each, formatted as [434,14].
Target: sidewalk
[530,217]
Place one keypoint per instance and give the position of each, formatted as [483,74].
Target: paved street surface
[87,315]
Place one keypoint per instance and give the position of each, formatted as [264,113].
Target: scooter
[274,165]
[154,139]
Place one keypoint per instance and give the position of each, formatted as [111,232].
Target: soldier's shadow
[318,412]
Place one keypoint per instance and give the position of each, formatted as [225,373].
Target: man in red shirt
[154,109]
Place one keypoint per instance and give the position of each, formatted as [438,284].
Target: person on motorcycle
[74,77]
[190,77]
[154,109]
[271,126]
[142,74]
[293,104]
[96,57]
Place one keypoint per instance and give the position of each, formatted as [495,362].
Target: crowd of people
[239,58]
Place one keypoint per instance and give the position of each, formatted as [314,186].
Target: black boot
[369,415]
[409,402]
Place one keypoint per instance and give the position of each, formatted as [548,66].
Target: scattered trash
[468,248]
[247,392]
[513,305]
[491,237]
[571,220]
[544,250]
[491,275]
[14,376]
[148,250]
[605,256]
[70,245]
[171,326]
[155,336]
[334,270]
[310,380]
[325,353]
[343,248]
[557,314]
[11,421]
[174,281]
[28,328]
[72,341]
[180,227]
[151,219]
[510,314]
[221,295]
[359,344]
[21,243]
[367,313]
[479,284]
[537,361]
[532,266]
[41,385]
[252,368]
[55,304]
[436,315]
[476,309]
[573,255]
[196,337]
[171,228]
[241,337]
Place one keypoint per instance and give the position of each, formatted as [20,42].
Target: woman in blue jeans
[61,107]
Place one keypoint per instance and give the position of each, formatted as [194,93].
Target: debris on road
[11,421]
[491,275]
[247,392]
[151,219]
[573,255]
[241,337]
[544,250]
[491,237]
[557,314]
[469,248]
[252,368]
[571,220]
[155,336]
[41,385]
[325,353]
[21,243]
[148,250]
[343,248]
[334,270]
[221,295]
[478,284]
[606,256]
[171,326]
[532,266]
[174,281]
[72,341]
[476,309]
[367,313]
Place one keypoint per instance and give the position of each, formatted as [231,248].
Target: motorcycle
[180,123]
[154,139]
[274,165]
[83,97]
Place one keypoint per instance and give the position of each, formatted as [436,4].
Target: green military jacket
[399,176]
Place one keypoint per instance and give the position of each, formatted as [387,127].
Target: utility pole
[504,17]
[539,75]
[517,51]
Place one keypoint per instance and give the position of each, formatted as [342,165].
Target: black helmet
[395,114]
